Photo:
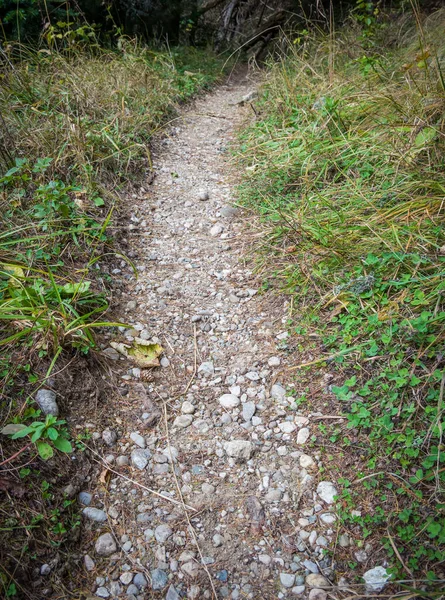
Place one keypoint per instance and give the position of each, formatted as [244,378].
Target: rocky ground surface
[209,487]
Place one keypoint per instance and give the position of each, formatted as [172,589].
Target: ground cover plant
[76,126]
[345,167]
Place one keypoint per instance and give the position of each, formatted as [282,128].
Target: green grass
[75,133]
[345,168]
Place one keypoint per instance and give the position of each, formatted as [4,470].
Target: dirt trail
[216,427]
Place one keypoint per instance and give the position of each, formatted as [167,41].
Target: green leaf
[423,137]
[99,201]
[22,433]
[37,433]
[45,450]
[53,434]
[63,445]
[434,529]
[12,428]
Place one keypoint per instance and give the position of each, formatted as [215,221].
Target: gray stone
[162,533]
[46,399]
[122,461]
[109,436]
[298,590]
[274,361]
[229,401]
[343,540]
[239,449]
[95,514]
[85,498]
[115,588]
[132,591]
[183,421]
[249,409]
[89,563]
[102,592]
[303,436]
[217,540]
[137,439]
[45,569]
[316,594]
[287,426]
[139,458]
[172,594]
[216,230]
[278,392]
[376,579]
[159,579]
[191,569]
[140,581]
[306,461]
[206,368]
[207,489]
[126,578]
[187,408]
[287,580]
[105,545]
[326,490]
[314,580]
[202,195]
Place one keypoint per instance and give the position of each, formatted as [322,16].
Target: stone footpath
[242,510]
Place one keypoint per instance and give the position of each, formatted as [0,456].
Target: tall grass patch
[75,137]
[345,168]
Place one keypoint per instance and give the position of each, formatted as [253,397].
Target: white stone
[239,449]
[274,361]
[303,436]
[306,461]
[187,408]
[137,439]
[183,421]
[326,490]
[287,426]
[229,401]
[376,579]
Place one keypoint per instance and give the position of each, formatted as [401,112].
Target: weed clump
[345,168]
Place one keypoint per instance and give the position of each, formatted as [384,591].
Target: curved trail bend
[213,430]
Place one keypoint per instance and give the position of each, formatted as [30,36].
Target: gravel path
[215,428]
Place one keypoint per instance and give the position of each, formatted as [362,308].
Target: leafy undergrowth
[345,167]
[75,134]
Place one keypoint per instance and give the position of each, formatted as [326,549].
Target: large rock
[105,545]
[239,449]
[229,401]
[376,579]
[46,399]
[326,490]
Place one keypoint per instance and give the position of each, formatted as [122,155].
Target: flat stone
[315,580]
[249,409]
[137,439]
[187,408]
[303,435]
[132,592]
[89,563]
[376,579]
[202,195]
[85,498]
[326,490]
[139,458]
[278,392]
[229,401]
[274,361]
[95,514]
[172,594]
[46,399]
[183,421]
[191,569]
[298,590]
[239,449]
[316,594]
[122,461]
[287,426]
[105,545]
[140,581]
[306,461]
[208,489]
[102,592]
[126,578]
[206,368]
[109,436]
[159,579]
[162,533]
[216,230]
[287,580]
